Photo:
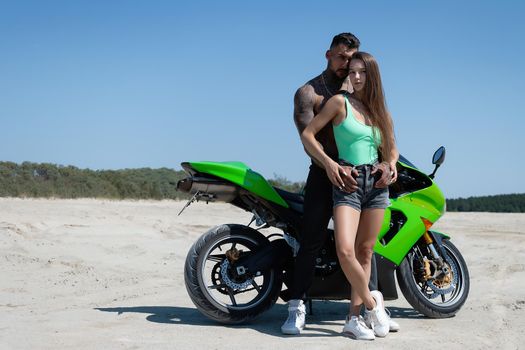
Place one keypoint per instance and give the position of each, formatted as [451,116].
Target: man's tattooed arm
[304,102]
[304,105]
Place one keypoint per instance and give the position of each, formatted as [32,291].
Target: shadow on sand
[325,313]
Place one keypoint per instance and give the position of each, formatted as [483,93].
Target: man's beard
[341,73]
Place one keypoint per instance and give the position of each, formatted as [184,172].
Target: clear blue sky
[126,84]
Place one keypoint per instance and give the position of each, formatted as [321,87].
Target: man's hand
[386,175]
[393,172]
[342,177]
[349,176]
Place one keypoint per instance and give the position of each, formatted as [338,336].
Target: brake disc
[444,284]
[216,279]
[227,280]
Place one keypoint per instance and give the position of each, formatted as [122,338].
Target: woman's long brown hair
[374,99]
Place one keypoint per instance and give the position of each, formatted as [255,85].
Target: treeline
[505,203]
[51,180]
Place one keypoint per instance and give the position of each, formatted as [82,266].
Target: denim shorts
[366,196]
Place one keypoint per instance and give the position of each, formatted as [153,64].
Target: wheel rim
[222,289]
[443,296]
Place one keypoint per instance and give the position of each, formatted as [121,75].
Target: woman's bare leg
[367,232]
[346,220]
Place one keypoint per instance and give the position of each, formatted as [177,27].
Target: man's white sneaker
[377,318]
[356,328]
[296,317]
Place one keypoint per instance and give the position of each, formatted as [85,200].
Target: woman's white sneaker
[356,328]
[393,325]
[377,318]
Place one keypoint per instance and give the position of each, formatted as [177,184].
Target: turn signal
[427,224]
[426,236]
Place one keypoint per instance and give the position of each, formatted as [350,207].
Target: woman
[363,130]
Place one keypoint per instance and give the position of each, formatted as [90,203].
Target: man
[318,205]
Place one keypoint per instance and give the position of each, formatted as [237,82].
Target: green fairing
[240,174]
[428,203]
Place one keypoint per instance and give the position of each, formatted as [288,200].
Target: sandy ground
[92,274]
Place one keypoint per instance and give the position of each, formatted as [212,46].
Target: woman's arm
[394,157]
[388,167]
[334,107]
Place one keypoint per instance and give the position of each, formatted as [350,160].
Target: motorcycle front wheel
[216,287]
[435,298]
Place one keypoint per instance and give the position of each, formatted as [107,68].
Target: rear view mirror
[437,160]
[439,156]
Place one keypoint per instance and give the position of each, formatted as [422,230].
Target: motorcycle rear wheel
[215,288]
[425,300]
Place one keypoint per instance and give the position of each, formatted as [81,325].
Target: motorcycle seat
[295,200]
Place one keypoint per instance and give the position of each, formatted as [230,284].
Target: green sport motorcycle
[235,272]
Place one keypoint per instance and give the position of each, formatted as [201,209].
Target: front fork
[433,241]
[430,243]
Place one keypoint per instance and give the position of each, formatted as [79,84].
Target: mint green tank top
[355,140]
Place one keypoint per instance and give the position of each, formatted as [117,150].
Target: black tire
[421,301]
[213,302]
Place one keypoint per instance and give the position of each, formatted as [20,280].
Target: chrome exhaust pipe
[210,190]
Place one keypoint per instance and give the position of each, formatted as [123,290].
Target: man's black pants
[318,209]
